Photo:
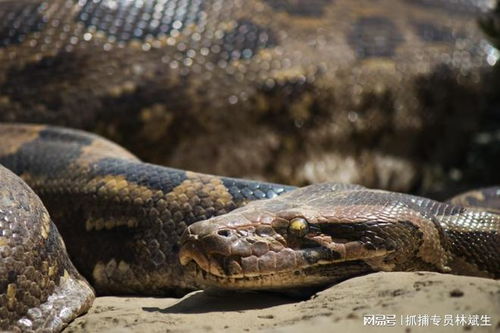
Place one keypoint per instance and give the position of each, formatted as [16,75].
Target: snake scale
[123,220]
[295,91]
[130,69]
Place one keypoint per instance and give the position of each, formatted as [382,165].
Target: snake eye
[298,227]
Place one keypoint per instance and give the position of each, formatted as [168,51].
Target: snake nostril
[224,232]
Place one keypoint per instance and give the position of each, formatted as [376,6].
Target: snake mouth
[232,266]
[271,270]
[223,262]
[217,271]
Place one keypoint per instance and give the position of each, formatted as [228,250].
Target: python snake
[122,222]
[133,69]
[313,90]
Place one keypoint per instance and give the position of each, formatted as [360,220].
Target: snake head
[311,236]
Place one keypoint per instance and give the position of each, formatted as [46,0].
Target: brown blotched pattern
[121,220]
[40,290]
[303,91]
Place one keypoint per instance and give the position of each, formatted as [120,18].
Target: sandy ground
[399,299]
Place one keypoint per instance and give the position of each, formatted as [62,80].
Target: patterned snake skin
[307,88]
[122,222]
[39,287]
[369,80]
[323,233]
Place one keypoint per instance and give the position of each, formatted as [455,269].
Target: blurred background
[395,94]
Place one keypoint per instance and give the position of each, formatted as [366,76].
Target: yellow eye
[298,227]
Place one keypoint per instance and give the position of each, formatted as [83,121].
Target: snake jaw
[257,262]
[243,254]
[234,254]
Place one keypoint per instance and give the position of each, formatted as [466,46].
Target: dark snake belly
[122,222]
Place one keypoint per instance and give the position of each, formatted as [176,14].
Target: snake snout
[205,243]
[230,248]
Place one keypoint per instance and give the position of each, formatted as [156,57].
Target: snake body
[154,71]
[122,222]
[352,91]
[40,290]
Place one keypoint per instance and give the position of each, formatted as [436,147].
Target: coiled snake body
[314,90]
[136,69]
[122,221]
